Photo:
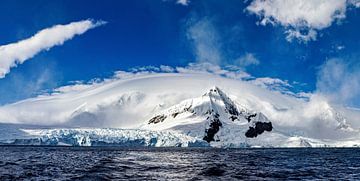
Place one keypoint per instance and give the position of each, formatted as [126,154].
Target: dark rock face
[157,119]
[214,127]
[187,109]
[248,118]
[162,117]
[233,118]
[260,127]
[175,114]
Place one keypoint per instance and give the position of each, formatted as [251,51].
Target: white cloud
[278,85]
[17,53]
[20,86]
[183,2]
[165,68]
[208,47]
[78,86]
[356,3]
[295,34]
[122,74]
[301,18]
[148,68]
[206,41]
[232,72]
[340,47]
[339,81]
[265,81]
[247,60]
[208,68]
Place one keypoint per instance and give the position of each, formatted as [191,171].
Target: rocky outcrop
[214,127]
[259,128]
[157,119]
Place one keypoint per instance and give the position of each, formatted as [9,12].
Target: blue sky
[156,32]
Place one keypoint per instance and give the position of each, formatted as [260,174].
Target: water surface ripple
[106,163]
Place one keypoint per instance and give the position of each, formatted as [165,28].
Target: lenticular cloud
[17,53]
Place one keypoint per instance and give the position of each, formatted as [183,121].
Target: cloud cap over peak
[17,53]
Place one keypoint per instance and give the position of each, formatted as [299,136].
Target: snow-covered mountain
[207,116]
[178,109]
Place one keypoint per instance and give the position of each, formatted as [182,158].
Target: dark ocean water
[79,163]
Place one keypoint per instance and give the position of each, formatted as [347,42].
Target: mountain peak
[213,91]
[213,111]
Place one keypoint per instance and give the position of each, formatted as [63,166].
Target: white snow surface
[125,105]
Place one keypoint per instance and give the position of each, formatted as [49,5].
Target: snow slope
[213,117]
[131,102]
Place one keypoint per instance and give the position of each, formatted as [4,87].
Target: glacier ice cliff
[105,137]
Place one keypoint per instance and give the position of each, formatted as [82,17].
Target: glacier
[104,137]
[146,138]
